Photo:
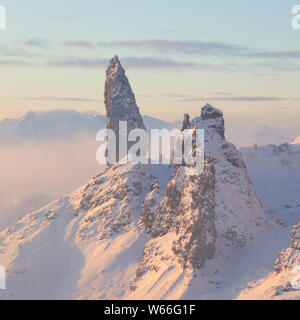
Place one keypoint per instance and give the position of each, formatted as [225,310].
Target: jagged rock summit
[186,122]
[214,118]
[120,102]
[119,99]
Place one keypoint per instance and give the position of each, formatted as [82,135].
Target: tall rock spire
[186,122]
[120,100]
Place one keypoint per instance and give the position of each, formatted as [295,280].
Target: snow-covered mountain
[284,282]
[296,140]
[139,231]
[52,124]
[60,124]
[275,172]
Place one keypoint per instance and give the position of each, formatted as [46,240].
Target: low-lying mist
[33,172]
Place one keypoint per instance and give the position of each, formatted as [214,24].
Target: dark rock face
[186,122]
[209,112]
[149,207]
[120,101]
[187,208]
[195,223]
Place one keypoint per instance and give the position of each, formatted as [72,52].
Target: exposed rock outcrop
[290,257]
[186,122]
[202,217]
[120,101]
[213,118]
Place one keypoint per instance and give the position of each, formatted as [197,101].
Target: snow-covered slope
[284,282]
[141,231]
[275,171]
[21,206]
[136,231]
[201,223]
[85,245]
[296,140]
[59,124]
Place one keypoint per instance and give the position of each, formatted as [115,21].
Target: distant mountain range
[60,124]
[66,124]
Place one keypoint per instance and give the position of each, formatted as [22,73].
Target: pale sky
[241,56]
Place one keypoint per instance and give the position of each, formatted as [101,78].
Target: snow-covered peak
[26,116]
[296,140]
[209,112]
[211,119]
[60,124]
[50,124]
[233,187]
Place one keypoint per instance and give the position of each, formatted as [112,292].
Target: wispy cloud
[200,48]
[167,95]
[151,63]
[223,93]
[78,43]
[14,62]
[13,51]
[78,62]
[34,42]
[187,47]
[233,98]
[146,63]
[238,99]
[131,62]
[142,63]
[178,97]
[54,98]
[277,65]
[274,54]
